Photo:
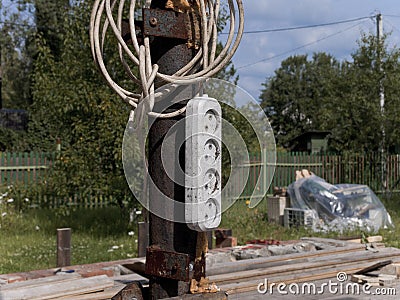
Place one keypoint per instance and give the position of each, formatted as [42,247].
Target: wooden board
[40,281]
[315,269]
[279,260]
[107,293]
[72,287]
[251,285]
[313,264]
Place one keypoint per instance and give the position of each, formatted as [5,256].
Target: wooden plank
[107,293]
[60,289]
[374,267]
[370,239]
[313,264]
[269,261]
[40,281]
[327,241]
[119,283]
[307,276]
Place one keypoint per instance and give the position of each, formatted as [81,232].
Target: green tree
[359,122]
[73,103]
[297,98]
[343,98]
[50,20]
[14,56]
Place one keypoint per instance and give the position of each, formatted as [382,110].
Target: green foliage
[297,98]
[50,20]
[72,102]
[343,98]
[11,140]
[15,59]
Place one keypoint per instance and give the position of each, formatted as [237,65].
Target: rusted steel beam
[175,242]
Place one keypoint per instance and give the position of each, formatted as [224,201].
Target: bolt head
[153,21]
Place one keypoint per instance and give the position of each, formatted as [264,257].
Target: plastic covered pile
[339,207]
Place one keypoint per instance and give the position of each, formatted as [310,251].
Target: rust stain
[203,286]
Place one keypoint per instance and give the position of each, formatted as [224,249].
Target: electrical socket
[203,163]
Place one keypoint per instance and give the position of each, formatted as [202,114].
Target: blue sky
[260,54]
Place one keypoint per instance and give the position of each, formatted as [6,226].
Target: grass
[28,240]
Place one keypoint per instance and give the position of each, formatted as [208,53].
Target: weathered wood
[107,293]
[331,261]
[209,296]
[374,267]
[40,281]
[370,239]
[331,242]
[76,286]
[251,285]
[264,262]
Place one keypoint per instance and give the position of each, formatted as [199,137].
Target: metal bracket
[171,24]
[167,264]
[164,23]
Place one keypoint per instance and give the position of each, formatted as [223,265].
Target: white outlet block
[203,164]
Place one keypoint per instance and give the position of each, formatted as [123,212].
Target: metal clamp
[171,24]
[167,264]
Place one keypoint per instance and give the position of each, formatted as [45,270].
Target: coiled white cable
[141,56]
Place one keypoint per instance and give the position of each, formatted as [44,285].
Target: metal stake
[63,247]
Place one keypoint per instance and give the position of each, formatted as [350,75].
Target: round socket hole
[210,211]
[212,181]
[211,151]
[210,121]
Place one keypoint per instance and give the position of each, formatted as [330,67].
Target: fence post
[264,168]
[63,247]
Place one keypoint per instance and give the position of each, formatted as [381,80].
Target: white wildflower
[37,228]
[138,212]
[110,250]
[4,195]
[26,200]
[131,233]
[115,247]
[11,200]
[3,214]
[136,241]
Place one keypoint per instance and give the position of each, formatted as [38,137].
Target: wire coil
[140,55]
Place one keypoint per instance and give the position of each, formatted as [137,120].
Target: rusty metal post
[175,240]
[63,247]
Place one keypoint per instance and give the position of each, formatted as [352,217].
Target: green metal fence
[23,168]
[30,168]
[349,168]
